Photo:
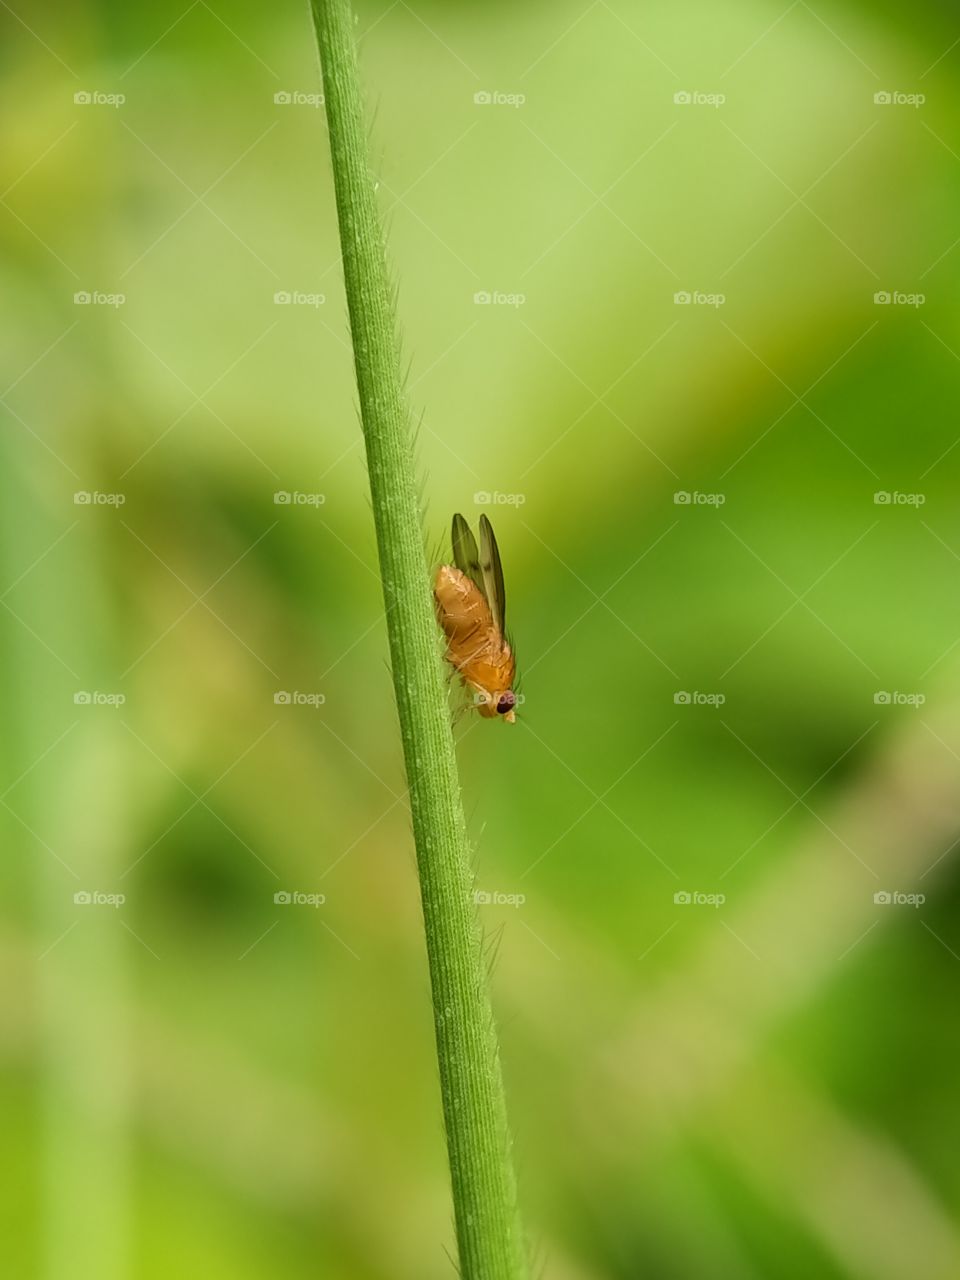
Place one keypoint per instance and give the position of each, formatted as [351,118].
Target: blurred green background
[750,699]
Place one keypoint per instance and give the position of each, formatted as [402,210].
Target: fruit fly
[471,606]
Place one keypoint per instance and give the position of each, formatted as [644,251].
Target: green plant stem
[489,1233]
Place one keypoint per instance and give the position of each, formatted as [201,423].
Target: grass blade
[489,1234]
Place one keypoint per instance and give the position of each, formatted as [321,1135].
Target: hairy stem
[489,1233]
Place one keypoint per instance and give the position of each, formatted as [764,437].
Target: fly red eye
[506,702]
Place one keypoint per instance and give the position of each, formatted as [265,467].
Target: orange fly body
[471,607]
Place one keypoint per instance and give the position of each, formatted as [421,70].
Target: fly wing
[465,554]
[492,573]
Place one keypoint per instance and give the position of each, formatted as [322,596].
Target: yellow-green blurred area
[677,292]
